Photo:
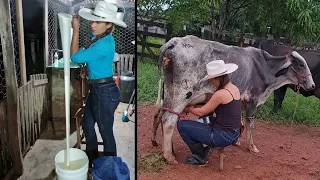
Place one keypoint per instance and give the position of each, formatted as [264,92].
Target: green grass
[153,40]
[147,81]
[308,109]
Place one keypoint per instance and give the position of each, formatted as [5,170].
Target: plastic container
[126,85]
[78,161]
[55,59]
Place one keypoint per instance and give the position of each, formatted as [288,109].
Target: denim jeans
[193,132]
[101,104]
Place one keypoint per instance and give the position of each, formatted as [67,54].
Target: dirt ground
[286,152]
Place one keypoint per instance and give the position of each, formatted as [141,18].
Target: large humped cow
[313,61]
[183,62]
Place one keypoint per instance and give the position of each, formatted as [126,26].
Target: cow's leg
[156,122]
[250,111]
[279,95]
[168,127]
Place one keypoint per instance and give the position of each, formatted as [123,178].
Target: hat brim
[230,68]
[87,14]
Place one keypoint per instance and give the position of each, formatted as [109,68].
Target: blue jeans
[100,106]
[193,132]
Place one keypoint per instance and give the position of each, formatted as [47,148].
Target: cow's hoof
[171,160]
[154,143]
[253,149]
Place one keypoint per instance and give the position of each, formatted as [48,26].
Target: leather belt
[102,80]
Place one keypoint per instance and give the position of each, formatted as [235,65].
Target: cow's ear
[288,63]
[281,72]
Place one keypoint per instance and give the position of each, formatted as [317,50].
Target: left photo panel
[67,89]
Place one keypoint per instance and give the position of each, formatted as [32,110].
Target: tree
[297,20]
[188,12]
[228,10]
[153,9]
[307,15]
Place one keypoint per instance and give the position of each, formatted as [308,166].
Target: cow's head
[297,71]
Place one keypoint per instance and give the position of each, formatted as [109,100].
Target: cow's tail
[167,46]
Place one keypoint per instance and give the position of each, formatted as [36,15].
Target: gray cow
[183,61]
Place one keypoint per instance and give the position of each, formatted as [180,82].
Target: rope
[294,113]
[173,112]
[295,109]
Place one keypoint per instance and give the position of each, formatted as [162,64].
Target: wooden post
[11,85]
[143,41]
[19,13]
[169,32]
[46,36]
[221,156]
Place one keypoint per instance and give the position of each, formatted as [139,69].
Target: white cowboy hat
[104,12]
[218,68]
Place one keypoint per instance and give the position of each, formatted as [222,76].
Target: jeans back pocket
[114,93]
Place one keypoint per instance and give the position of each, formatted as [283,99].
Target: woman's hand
[76,23]
[75,35]
[186,109]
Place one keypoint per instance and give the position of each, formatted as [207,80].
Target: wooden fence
[32,114]
[124,62]
[33,106]
[146,29]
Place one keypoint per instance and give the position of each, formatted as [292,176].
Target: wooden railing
[32,115]
[124,62]
[145,32]
[33,106]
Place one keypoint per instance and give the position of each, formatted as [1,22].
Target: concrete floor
[39,161]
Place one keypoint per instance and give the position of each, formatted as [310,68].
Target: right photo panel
[228,89]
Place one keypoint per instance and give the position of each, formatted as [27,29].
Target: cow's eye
[301,66]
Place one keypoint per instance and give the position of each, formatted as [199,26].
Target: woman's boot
[198,155]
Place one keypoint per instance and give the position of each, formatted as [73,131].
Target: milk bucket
[79,165]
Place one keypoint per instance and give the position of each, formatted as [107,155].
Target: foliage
[297,20]
[293,19]
[191,12]
[152,9]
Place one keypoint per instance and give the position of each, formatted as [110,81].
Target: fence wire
[15,39]
[16,51]
[53,26]
[5,155]
[2,78]
[123,36]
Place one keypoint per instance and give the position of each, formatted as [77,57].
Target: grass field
[308,109]
[153,40]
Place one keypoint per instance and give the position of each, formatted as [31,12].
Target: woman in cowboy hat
[225,127]
[104,95]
